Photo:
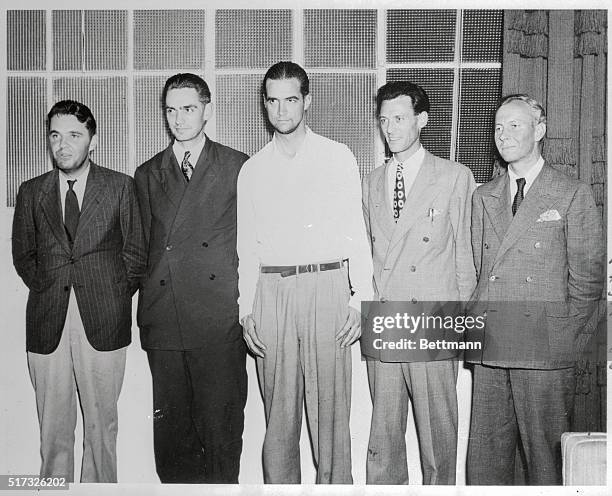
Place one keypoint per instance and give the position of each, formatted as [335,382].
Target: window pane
[253,38]
[438,84]
[168,39]
[26,155]
[343,110]
[482,35]
[480,90]
[26,40]
[105,39]
[340,38]
[67,40]
[420,35]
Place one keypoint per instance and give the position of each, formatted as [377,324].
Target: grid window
[420,35]
[169,39]
[26,37]
[340,38]
[480,44]
[67,40]
[105,39]
[480,90]
[340,112]
[252,38]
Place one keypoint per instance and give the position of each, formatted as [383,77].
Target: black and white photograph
[277,248]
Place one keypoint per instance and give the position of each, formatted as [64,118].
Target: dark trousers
[518,408]
[198,412]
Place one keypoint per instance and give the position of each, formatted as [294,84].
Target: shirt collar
[303,146]
[415,160]
[83,172]
[531,173]
[179,148]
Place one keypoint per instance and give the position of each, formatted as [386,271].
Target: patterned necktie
[518,198]
[186,166]
[399,193]
[71,212]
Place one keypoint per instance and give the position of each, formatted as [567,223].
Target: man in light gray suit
[539,254]
[417,211]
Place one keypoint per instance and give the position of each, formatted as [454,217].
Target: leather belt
[291,270]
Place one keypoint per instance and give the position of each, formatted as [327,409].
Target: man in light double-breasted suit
[539,254]
[417,211]
[78,246]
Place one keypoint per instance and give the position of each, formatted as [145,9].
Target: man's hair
[287,70]
[536,107]
[187,80]
[79,110]
[394,89]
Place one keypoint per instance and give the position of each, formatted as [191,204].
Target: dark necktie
[518,198]
[399,192]
[186,166]
[71,212]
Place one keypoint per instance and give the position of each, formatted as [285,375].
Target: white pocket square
[549,216]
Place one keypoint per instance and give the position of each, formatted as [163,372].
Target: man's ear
[93,144]
[208,111]
[307,101]
[422,119]
[540,131]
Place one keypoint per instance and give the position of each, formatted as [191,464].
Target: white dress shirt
[78,187]
[530,177]
[301,210]
[179,148]
[411,167]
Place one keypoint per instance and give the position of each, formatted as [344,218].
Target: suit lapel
[418,198]
[538,200]
[94,193]
[383,212]
[50,203]
[498,208]
[170,177]
[201,184]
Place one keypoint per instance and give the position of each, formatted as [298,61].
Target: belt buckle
[310,268]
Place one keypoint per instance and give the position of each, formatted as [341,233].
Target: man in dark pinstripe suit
[78,246]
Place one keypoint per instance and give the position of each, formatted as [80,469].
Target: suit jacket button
[373,239]
[205,244]
[212,277]
[414,300]
[538,244]
[492,278]
[162,282]
[66,288]
[169,247]
[383,300]
[71,260]
[426,239]
[486,245]
[529,279]
[412,268]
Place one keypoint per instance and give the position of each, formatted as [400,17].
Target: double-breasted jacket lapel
[95,191]
[497,207]
[539,199]
[52,208]
[201,185]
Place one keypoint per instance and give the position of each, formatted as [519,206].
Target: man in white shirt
[417,210]
[304,268]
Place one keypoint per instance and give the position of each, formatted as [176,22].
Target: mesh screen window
[116,61]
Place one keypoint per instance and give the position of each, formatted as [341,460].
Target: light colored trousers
[297,318]
[97,376]
[432,388]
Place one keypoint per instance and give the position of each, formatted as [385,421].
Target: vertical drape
[560,58]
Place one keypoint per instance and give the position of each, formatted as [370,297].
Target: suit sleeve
[24,237]
[585,254]
[461,212]
[133,250]
[477,231]
[142,192]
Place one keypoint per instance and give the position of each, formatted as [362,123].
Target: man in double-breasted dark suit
[539,255]
[79,247]
[188,311]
